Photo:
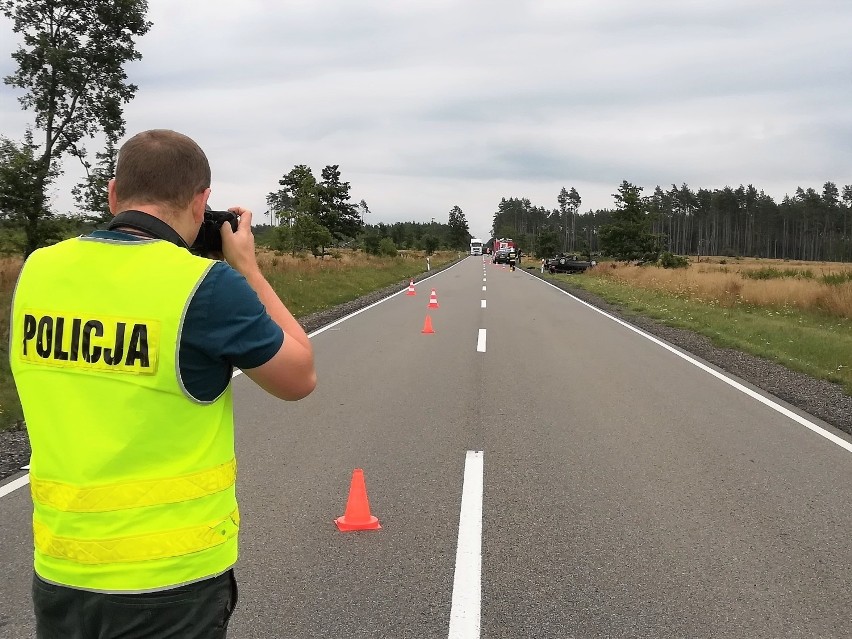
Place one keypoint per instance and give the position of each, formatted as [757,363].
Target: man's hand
[238,248]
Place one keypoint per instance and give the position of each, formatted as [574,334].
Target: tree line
[742,221]
[424,236]
[311,214]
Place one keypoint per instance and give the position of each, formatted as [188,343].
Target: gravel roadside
[822,399]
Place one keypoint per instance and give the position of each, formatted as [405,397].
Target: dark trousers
[196,611]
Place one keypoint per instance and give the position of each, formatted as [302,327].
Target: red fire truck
[504,243]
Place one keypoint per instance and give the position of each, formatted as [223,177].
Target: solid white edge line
[466,608]
[23,481]
[731,382]
[13,485]
[366,308]
[480,341]
[381,301]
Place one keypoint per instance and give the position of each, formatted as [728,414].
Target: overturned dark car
[567,263]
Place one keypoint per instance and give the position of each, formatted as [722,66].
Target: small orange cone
[427,325]
[433,300]
[411,290]
[357,516]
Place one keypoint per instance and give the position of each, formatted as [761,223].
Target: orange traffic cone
[433,300]
[427,325]
[357,516]
[411,290]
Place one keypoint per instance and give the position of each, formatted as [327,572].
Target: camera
[208,243]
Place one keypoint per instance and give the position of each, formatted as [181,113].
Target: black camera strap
[141,221]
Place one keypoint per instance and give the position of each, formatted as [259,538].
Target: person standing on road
[123,344]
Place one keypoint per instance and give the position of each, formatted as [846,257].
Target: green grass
[836,279]
[11,414]
[809,342]
[771,273]
[308,292]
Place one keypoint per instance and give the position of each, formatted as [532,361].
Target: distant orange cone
[427,325]
[433,300]
[411,290]
[357,515]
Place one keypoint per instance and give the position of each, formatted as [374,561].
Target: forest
[741,221]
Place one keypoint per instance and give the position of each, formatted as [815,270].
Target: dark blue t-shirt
[226,326]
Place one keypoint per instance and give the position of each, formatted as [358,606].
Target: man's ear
[199,205]
[112,199]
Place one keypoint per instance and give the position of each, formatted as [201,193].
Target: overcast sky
[427,104]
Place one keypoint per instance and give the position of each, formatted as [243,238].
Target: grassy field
[796,313]
[304,283]
[307,285]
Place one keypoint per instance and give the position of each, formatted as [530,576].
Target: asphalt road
[626,492]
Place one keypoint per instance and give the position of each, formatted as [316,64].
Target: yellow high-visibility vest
[132,479]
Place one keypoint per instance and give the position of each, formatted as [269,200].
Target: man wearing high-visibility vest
[123,343]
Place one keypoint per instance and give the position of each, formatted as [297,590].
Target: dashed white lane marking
[480,341]
[483,288]
[483,303]
[466,608]
[721,376]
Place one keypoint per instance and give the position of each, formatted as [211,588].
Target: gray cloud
[425,105]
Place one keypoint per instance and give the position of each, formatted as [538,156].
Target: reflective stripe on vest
[173,543]
[134,494]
